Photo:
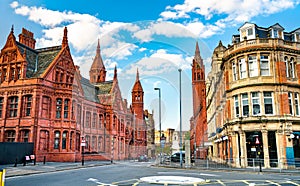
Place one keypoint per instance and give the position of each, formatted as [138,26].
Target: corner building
[253,98]
[45,101]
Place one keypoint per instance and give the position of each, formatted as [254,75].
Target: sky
[157,37]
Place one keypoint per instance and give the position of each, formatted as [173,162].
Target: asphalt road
[130,173]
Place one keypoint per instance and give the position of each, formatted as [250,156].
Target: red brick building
[198,123]
[45,100]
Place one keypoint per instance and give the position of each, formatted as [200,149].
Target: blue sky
[156,36]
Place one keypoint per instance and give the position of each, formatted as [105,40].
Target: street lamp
[180,119]
[159,96]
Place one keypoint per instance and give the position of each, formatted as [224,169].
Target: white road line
[293,183]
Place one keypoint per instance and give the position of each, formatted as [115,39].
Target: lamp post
[180,119]
[159,115]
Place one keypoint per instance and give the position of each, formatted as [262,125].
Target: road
[130,173]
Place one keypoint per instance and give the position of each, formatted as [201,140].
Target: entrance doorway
[254,145]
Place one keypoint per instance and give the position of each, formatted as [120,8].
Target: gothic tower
[198,123]
[97,70]
[137,95]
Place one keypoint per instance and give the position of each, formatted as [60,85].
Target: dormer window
[275,33]
[249,31]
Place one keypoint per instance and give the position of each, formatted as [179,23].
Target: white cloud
[14,4]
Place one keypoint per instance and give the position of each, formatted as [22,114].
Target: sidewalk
[48,167]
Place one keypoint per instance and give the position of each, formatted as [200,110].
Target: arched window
[58,107]
[286,66]
[44,140]
[64,140]
[56,139]
[46,107]
[66,108]
[292,68]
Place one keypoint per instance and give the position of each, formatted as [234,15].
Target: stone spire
[197,56]
[137,75]
[65,38]
[115,73]
[97,70]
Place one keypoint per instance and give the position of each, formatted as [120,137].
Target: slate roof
[38,60]
[90,91]
[104,87]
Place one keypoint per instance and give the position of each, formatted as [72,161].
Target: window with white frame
[292,68]
[236,106]
[252,62]
[268,102]
[245,105]
[275,33]
[264,65]
[243,68]
[290,103]
[297,104]
[234,71]
[250,31]
[286,62]
[255,103]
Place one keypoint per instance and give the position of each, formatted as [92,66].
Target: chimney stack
[26,38]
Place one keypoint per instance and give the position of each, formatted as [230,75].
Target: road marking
[292,183]
[220,182]
[273,182]
[213,175]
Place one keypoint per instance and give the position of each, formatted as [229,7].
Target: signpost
[83,144]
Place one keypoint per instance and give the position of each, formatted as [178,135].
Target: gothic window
[10,136]
[290,103]
[56,139]
[12,106]
[73,109]
[264,65]
[46,106]
[243,68]
[18,72]
[64,140]
[253,70]
[94,120]
[94,142]
[255,103]
[61,77]
[268,102]
[24,136]
[100,121]
[100,143]
[44,140]
[66,108]
[27,103]
[4,74]
[245,105]
[58,107]
[71,139]
[78,118]
[12,74]
[78,142]
[1,106]
[88,120]
[87,142]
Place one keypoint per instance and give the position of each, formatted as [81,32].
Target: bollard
[16,162]
[2,177]
[44,160]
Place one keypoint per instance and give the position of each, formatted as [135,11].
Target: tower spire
[137,75]
[97,70]
[115,73]
[65,38]
[197,57]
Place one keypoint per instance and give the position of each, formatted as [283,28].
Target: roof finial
[12,29]
[98,47]
[65,38]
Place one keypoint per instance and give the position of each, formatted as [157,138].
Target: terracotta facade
[253,98]
[45,100]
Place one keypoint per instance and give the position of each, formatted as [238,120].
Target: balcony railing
[263,42]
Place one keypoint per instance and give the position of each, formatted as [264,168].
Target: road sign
[162,141]
[83,143]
